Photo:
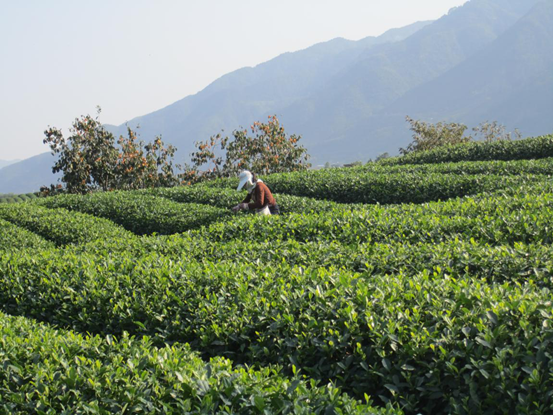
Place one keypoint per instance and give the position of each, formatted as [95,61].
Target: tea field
[390,288]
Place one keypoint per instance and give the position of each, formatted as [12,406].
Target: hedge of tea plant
[529,148]
[362,185]
[494,167]
[59,225]
[13,198]
[353,187]
[48,371]
[494,220]
[429,341]
[516,263]
[139,213]
[489,167]
[225,308]
[437,307]
[227,198]
[13,237]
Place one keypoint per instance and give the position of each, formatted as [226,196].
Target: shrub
[13,237]
[59,225]
[57,371]
[529,148]
[139,213]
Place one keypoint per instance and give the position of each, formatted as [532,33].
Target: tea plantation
[390,288]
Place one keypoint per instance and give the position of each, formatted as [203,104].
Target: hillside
[4,163]
[424,286]
[28,175]
[349,99]
[487,60]
[250,94]
[511,78]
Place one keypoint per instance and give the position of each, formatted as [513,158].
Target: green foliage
[495,167]
[224,198]
[362,186]
[492,219]
[86,158]
[142,166]
[529,148]
[89,159]
[270,150]
[427,136]
[350,328]
[51,371]
[59,225]
[13,237]
[437,307]
[139,213]
[11,198]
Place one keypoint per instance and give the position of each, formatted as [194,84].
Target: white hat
[245,177]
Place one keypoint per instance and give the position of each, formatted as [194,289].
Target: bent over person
[259,196]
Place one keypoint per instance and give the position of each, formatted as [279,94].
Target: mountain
[353,106]
[28,175]
[249,94]
[510,80]
[486,60]
[4,163]
[349,99]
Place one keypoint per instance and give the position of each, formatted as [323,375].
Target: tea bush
[13,237]
[435,307]
[355,187]
[53,371]
[59,225]
[139,213]
[529,148]
[379,186]
[493,219]
[226,198]
[494,167]
[429,341]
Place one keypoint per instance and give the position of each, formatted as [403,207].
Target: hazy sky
[62,58]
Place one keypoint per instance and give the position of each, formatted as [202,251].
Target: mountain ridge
[216,105]
[486,60]
[4,163]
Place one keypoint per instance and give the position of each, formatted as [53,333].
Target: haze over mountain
[508,79]
[4,163]
[250,94]
[487,60]
[28,175]
[349,99]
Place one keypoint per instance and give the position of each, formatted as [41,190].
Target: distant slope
[249,94]
[28,175]
[4,163]
[357,96]
[511,80]
[345,97]
[486,60]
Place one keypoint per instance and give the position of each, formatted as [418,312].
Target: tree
[86,158]
[269,150]
[493,131]
[89,159]
[142,166]
[427,136]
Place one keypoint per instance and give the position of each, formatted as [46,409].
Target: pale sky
[62,58]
